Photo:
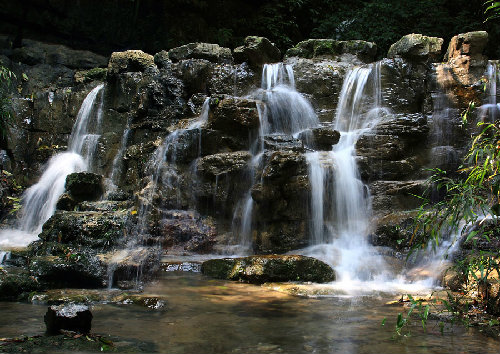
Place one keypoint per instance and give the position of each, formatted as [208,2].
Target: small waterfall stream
[39,201]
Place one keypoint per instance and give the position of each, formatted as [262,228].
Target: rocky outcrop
[257,51]
[129,61]
[332,49]
[273,268]
[417,47]
[211,52]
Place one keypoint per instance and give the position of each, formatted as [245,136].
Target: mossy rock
[417,47]
[271,268]
[84,186]
[129,61]
[17,287]
[86,76]
[332,49]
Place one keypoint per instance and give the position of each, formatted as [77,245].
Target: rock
[445,158]
[257,51]
[97,230]
[129,61]
[162,60]
[75,269]
[84,186]
[417,47]
[90,75]
[234,116]
[17,286]
[271,268]
[70,317]
[211,52]
[33,53]
[65,202]
[277,142]
[396,196]
[465,59]
[230,163]
[329,48]
[320,138]
[394,230]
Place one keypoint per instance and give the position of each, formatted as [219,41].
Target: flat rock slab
[269,268]
[71,317]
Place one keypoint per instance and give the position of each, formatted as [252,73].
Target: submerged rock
[70,317]
[257,51]
[417,47]
[272,268]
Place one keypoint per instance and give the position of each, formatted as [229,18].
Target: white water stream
[39,201]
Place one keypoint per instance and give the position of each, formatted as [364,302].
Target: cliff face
[179,130]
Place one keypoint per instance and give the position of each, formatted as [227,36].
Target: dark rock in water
[226,163]
[257,51]
[17,286]
[211,52]
[329,48]
[66,203]
[417,47]
[271,268]
[84,186]
[70,317]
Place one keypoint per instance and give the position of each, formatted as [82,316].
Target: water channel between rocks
[203,315]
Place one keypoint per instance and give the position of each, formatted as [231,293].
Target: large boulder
[129,61]
[331,49]
[465,60]
[235,116]
[17,286]
[257,51]
[271,268]
[226,163]
[417,47]
[211,52]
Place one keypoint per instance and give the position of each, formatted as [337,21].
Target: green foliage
[492,10]
[6,80]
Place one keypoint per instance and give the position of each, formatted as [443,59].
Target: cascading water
[39,201]
[340,202]
[490,111]
[284,111]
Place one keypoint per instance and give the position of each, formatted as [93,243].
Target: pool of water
[203,315]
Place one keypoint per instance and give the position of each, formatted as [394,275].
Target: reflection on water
[211,316]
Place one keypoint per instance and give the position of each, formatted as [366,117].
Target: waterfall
[340,202]
[39,201]
[284,111]
[490,111]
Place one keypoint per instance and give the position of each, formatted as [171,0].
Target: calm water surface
[203,315]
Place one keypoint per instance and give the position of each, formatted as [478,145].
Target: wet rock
[272,268]
[66,202]
[211,52]
[396,196]
[445,158]
[257,51]
[129,61]
[417,47]
[394,230]
[329,48]
[75,269]
[84,186]
[277,142]
[162,60]
[236,80]
[233,116]
[97,230]
[70,317]
[487,237]
[188,231]
[230,163]
[320,138]
[465,60]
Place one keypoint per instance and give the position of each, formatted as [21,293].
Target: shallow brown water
[203,315]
